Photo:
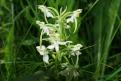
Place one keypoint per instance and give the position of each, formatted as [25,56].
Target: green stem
[41,37]
[77,60]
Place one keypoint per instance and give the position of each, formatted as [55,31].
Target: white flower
[48,14]
[43,51]
[77,47]
[45,28]
[75,50]
[56,44]
[74,15]
[75,53]
[45,10]
[78,53]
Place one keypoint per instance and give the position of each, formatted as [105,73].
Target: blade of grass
[113,74]
[104,38]
[9,51]
[112,14]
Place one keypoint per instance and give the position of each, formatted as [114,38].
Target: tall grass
[9,57]
[99,31]
[105,21]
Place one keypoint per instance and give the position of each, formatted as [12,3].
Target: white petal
[71,19]
[77,47]
[45,10]
[67,27]
[46,30]
[68,20]
[62,43]
[48,14]
[40,23]
[56,47]
[46,58]
[77,12]
[51,47]
[41,50]
[72,53]
[69,41]
[78,53]
[42,8]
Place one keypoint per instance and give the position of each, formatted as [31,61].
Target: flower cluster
[57,33]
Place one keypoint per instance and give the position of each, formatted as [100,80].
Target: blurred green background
[99,31]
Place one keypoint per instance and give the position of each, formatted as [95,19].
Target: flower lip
[43,51]
[46,58]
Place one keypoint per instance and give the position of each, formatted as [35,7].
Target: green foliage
[105,20]
[99,30]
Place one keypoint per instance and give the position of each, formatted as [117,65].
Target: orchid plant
[60,50]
